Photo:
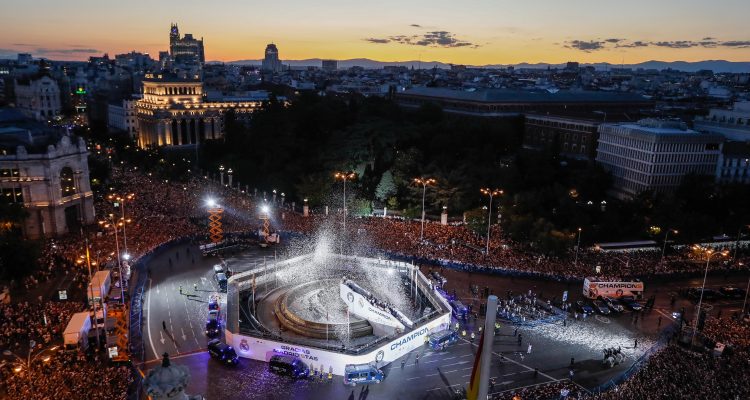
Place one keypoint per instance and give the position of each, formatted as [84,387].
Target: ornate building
[175,112]
[185,50]
[47,171]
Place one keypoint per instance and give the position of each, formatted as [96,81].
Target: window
[67,184]
[9,173]
[12,195]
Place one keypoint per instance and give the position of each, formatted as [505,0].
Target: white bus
[593,289]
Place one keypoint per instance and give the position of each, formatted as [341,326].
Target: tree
[386,187]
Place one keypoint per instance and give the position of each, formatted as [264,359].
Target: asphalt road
[436,374]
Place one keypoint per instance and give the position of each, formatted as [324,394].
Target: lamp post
[578,246]
[112,223]
[30,357]
[737,243]
[221,174]
[709,253]
[744,303]
[121,201]
[666,237]
[229,174]
[424,182]
[345,176]
[491,193]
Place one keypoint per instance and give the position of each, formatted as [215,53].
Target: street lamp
[737,243]
[229,173]
[709,253]
[666,236]
[491,193]
[424,182]
[221,173]
[345,176]
[30,357]
[578,246]
[120,200]
[113,224]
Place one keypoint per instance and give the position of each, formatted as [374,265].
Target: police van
[459,310]
[362,373]
[288,365]
[442,339]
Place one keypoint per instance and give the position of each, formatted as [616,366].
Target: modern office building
[47,171]
[330,65]
[654,155]
[271,62]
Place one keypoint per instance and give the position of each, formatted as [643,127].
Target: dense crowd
[22,322]
[68,376]
[728,331]
[548,391]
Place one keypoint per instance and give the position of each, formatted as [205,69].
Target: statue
[168,381]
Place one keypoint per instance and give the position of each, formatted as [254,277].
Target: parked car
[708,294]
[584,307]
[213,325]
[600,307]
[631,303]
[613,304]
[732,292]
[288,365]
[222,352]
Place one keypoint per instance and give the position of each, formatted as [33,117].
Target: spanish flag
[472,393]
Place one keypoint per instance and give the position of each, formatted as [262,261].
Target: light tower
[215,231]
[266,229]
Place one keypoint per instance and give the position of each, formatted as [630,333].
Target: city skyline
[485,33]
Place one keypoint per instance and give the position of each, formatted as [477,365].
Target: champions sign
[594,289]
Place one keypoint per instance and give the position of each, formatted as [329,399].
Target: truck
[596,289]
[99,286]
[76,334]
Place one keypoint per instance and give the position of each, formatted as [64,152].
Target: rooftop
[525,96]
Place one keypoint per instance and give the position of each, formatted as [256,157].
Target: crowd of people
[68,376]
[162,211]
[548,391]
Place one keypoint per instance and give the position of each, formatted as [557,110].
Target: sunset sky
[475,32]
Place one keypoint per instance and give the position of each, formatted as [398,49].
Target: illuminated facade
[174,112]
[271,61]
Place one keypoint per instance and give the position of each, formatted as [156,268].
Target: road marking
[458,363]
[161,333]
[148,319]
[157,287]
[449,358]
[184,338]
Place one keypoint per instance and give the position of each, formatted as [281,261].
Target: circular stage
[323,306]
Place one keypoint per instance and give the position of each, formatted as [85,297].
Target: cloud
[587,46]
[377,40]
[23,44]
[736,43]
[416,25]
[707,42]
[676,44]
[45,51]
[429,39]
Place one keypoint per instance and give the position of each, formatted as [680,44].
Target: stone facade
[53,186]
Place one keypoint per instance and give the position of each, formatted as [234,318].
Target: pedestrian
[416,359]
[520,339]
[658,325]
[195,287]
[164,325]
[529,349]
[403,363]
[515,332]
[180,289]
[570,374]
[472,337]
[572,362]
[565,322]
[635,344]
